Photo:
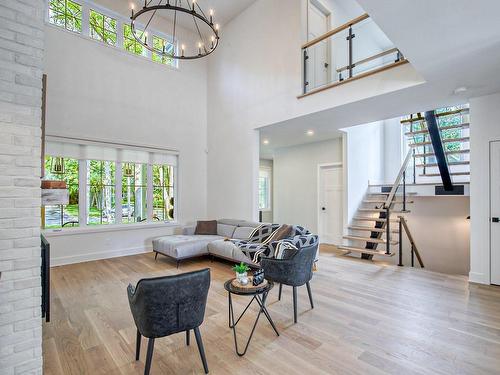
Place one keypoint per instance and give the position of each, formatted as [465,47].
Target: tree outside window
[161,45]
[100,192]
[102,27]
[134,192]
[130,43]
[163,192]
[63,169]
[66,14]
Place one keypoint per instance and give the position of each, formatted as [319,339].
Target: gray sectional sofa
[188,245]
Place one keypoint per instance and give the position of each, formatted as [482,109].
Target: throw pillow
[281,233]
[262,233]
[206,227]
[285,250]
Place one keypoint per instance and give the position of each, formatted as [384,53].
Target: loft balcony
[351,51]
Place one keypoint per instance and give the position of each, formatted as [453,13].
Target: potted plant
[241,273]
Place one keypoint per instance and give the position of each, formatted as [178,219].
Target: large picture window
[100,192]
[63,169]
[66,14]
[163,192]
[102,27]
[134,192]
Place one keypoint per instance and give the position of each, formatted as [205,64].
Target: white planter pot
[242,278]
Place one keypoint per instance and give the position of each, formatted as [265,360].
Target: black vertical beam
[349,38]
[437,145]
[305,83]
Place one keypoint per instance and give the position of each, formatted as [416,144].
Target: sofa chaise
[231,242]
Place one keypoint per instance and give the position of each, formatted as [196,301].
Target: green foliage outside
[160,44]
[102,27]
[129,42]
[67,14]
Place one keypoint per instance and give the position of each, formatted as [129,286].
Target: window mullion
[149,193]
[82,193]
[118,192]
[85,19]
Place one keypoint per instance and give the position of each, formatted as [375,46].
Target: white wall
[364,161]
[484,117]
[393,152]
[104,93]
[296,181]
[253,81]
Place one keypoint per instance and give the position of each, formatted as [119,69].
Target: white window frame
[119,225]
[269,172]
[120,21]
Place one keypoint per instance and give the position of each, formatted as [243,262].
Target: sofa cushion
[242,233]
[206,227]
[181,246]
[225,230]
[228,250]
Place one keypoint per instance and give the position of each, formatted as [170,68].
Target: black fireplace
[45,276]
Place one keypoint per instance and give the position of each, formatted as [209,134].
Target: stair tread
[448,140]
[383,201]
[369,239]
[467,151]
[378,210]
[365,251]
[366,218]
[370,229]
[450,163]
[424,131]
[451,174]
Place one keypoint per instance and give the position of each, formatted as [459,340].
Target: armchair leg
[310,294]
[149,356]
[187,337]
[295,304]
[156,255]
[138,346]
[279,293]
[201,349]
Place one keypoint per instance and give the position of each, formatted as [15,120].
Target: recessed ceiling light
[460,90]
[265,141]
[310,132]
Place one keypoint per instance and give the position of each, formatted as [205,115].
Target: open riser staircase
[453,124]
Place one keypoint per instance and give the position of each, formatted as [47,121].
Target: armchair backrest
[165,305]
[304,261]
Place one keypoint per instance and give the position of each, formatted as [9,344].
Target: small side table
[259,295]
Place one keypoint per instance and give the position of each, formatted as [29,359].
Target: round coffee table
[259,295]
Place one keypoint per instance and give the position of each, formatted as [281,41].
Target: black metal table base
[262,310]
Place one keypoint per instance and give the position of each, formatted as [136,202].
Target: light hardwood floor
[369,318]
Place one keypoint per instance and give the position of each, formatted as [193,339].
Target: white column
[85,19]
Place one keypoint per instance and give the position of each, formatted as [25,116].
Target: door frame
[489,211]
[318,192]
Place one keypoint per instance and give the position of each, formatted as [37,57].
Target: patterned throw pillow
[285,250]
[279,234]
[262,233]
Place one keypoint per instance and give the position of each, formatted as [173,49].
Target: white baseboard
[80,258]
[478,278]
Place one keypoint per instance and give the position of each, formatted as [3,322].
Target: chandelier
[200,44]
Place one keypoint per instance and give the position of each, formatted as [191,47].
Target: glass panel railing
[352,49]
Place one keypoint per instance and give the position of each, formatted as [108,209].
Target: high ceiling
[451,43]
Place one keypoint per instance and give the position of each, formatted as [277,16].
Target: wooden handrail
[389,51]
[412,241]
[395,186]
[336,30]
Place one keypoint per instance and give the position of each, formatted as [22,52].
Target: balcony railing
[351,51]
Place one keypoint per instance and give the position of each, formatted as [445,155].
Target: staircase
[376,229]
[453,126]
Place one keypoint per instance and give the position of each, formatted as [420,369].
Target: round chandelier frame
[204,48]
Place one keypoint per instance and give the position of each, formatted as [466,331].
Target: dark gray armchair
[166,305]
[294,272]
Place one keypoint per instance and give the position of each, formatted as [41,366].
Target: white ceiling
[451,43]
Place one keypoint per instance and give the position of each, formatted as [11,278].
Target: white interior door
[495,212]
[330,216]
[319,62]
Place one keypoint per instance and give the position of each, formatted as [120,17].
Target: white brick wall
[21,66]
